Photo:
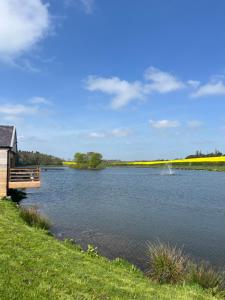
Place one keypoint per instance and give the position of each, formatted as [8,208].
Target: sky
[134,80]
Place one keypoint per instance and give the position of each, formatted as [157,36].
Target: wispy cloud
[210,89]
[13,112]
[97,135]
[87,5]
[164,124]
[124,91]
[162,82]
[17,109]
[193,83]
[194,124]
[22,25]
[117,132]
[40,100]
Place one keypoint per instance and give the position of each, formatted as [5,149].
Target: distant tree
[31,158]
[94,160]
[198,153]
[81,159]
[90,160]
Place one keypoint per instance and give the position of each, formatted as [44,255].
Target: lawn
[34,265]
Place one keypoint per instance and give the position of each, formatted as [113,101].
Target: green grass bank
[34,265]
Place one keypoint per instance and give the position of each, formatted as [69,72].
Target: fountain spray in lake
[168,171]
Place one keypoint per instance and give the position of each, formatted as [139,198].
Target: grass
[36,266]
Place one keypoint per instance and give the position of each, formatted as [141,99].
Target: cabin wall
[12,160]
[3,172]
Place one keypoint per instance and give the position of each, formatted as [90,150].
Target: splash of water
[169,170]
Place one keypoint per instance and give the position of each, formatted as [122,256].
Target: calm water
[119,209]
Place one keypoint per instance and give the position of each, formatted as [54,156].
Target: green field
[34,265]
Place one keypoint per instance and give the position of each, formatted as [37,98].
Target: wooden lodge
[12,177]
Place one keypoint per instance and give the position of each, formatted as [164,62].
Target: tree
[81,160]
[90,160]
[94,160]
[31,158]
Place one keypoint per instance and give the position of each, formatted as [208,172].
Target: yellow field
[176,161]
[69,163]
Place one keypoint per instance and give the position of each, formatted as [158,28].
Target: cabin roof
[7,136]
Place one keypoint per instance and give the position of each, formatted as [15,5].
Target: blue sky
[130,79]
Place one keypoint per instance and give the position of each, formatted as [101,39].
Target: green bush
[166,264]
[33,218]
[206,276]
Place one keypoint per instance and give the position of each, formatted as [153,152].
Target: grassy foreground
[34,265]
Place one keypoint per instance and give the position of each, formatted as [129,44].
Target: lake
[119,209]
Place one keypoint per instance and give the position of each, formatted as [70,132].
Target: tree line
[31,158]
[198,154]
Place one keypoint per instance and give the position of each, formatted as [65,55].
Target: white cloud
[164,124]
[88,5]
[96,135]
[17,109]
[162,82]
[117,132]
[193,83]
[194,124]
[12,112]
[22,24]
[39,100]
[123,91]
[210,89]
[121,132]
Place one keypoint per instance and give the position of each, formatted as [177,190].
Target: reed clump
[206,276]
[32,217]
[168,264]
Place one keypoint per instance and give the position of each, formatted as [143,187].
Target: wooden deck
[22,178]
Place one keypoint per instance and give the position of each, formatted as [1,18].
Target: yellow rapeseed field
[175,161]
[69,163]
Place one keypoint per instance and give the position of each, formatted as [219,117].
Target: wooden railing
[24,175]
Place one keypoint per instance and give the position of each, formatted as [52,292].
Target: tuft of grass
[167,264]
[206,276]
[32,217]
[92,250]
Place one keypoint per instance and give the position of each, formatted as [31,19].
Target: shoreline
[74,270]
[181,167]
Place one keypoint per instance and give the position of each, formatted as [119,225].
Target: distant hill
[31,158]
